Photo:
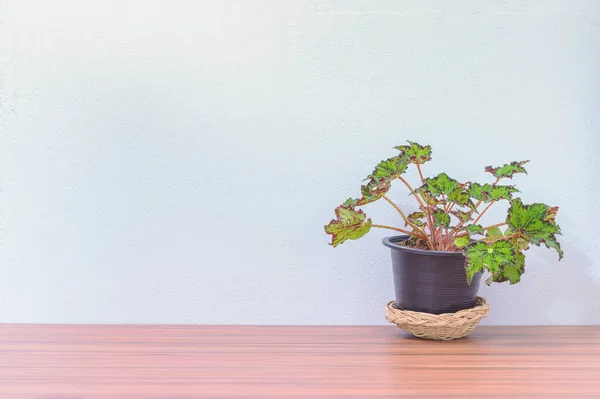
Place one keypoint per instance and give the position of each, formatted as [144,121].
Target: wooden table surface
[218,362]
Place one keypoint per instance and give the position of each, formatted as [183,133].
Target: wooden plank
[227,362]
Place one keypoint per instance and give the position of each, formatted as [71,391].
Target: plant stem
[414,226]
[411,190]
[423,207]
[455,230]
[381,226]
[491,240]
[420,173]
[448,239]
[441,229]
[430,225]
[429,218]
[456,235]
[482,212]
[495,225]
[410,233]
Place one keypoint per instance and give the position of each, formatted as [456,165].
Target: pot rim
[390,243]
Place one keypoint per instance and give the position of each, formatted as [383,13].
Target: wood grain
[227,362]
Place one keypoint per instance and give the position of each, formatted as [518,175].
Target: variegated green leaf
[372,193]
[551,242]
[488,192]
[480,192]
[507,170]
[388,170]
[436,186]
[503,192]
[462,216]
[350,224]
[350,202]
[415,218]
[475,229]
[533,224]
[551,214]
[429,200]
[459,197]
[510,272]
[491,257]
[440,218]
[416,215]
[415,153]
[494,232]
[462,241]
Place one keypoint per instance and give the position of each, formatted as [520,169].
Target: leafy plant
[449,213]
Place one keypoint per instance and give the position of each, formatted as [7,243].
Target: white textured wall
[175,161]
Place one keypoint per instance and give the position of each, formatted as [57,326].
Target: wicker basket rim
[480,304]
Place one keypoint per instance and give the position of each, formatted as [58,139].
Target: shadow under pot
[430,281]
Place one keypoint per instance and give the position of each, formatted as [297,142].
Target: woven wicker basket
[444,326]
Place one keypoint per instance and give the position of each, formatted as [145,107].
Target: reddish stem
[491,240]
[482,212]
[422,206]
[420,173]
[414,226]
[381,226]
[495,225]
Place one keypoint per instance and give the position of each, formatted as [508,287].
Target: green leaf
[379,180]
[503,192]
[462,198]
[480,192]
[388,170]
[415,153]
[551,214]
[350,202]
[415,218]
[459,197]
[436,186]
[489,192]
[533,224]
[507,170]
[475,229]
[416,215]
[491,257]
[462,216]
[372,193]
[462,241]
[552,242]
[429,200]
[520,243]
[511,272]
[417,223]
[494,232]
[440,218]
[350,224]
[471,205]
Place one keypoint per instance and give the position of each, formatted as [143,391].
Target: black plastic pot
[430,281]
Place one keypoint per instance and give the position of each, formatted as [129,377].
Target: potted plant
[444,249]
